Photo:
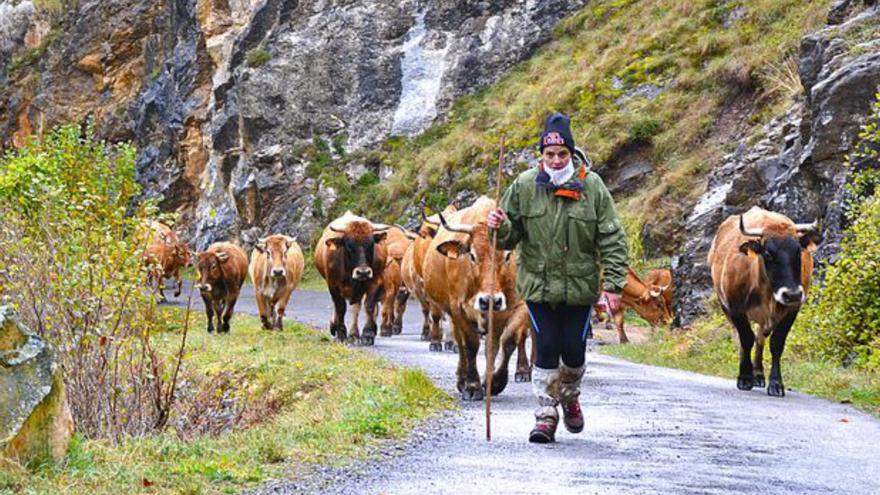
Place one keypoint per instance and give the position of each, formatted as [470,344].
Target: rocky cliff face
[227,98]
[797,168]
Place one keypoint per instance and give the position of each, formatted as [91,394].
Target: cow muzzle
[362,273]
[203,287]
[278,273]
[787,296]
[482,301]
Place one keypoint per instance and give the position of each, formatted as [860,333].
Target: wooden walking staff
[490,352]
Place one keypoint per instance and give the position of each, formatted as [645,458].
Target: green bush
[842,321]
[71,265]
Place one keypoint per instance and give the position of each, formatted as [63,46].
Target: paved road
[648,430]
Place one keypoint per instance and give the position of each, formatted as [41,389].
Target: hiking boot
[573,417]
[545,428]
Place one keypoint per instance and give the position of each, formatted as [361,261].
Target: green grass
[708,348]
[328,404]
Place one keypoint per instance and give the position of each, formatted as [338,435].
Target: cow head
[475,250]
[780,252]
[275,248]
[183,254]
[646,299]
[210,266]
[358,244]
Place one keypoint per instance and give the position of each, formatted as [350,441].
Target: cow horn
[806,227]
[427,219]
[749,232]
[655,292]
[664,287]
[409,235]
[458,227]
[380,227]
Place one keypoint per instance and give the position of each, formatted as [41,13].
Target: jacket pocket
[582,282]
[581,230]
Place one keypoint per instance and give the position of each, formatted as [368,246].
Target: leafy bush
[71,265]
[842,321]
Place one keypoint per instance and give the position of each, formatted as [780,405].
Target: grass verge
[316,402]
[708,348]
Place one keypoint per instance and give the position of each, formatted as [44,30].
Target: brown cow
[222,270]
[457,272]
[645,300]
[164,256]
[165,261]
[412,269]
[396,293]
[351,258]
[276,267]
[761,266]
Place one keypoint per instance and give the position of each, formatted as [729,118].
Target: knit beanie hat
[557,131]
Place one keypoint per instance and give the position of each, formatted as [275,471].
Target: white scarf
[561,176]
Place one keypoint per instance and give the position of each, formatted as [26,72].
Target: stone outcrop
[226,100]
[35,419]
[797,168]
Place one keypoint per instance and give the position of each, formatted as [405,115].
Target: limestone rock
[35,419]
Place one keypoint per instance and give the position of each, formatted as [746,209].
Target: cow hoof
[435,347]
[396,329]
[522,376]
[210,329]
[759,381]
[426,337]
[776,389]
[453,348]
[499,383]
[472,393]
[368,340]
[745,383]
[609,326]
[385,332]
[449,346]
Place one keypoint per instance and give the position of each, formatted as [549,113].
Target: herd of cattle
[760,261]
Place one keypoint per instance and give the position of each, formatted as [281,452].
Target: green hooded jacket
[562,242]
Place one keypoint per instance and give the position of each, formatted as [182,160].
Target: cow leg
[426,322]
[507,341]
[618,320]
[261,308]
[337,321]
[227,311]
[758,362]
[178,280]
[209,312]
[448,339]
[468,378]
[160,286]
[436,344]
[387,313]
[399,308]
[372,300]
[278,323]
[775,386]
[746,378]
[523,366]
